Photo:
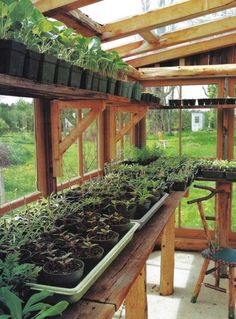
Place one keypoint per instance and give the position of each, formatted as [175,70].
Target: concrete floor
[210,305]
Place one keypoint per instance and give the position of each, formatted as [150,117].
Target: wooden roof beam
[184,10]
[180,36]
[205,45]
[186,72]
[149,36]
[67,5]
[78,21]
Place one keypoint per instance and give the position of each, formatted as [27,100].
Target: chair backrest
[212,243]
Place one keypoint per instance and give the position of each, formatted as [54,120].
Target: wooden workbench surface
[113,286]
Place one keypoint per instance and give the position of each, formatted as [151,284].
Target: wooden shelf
[15,86]
[183,107]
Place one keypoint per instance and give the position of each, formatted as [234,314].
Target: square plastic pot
[47,68]
[62,73]
[31,65]
[75,76]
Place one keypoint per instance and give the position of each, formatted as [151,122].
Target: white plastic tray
[142,221]
[74,294]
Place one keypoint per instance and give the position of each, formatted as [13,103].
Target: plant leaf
[12,302]
[37,297]
[54,310]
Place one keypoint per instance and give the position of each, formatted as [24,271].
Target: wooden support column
[140,133]
[167,258]
[80,147]
[46,183]
[136,300]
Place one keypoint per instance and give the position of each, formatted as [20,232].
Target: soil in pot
[75,76]
[47,68]
[87,79]
[31,65]
[90,257]
[127,212]
[63,275]
[62,72]
[107,241]
[111,84]
[12,57]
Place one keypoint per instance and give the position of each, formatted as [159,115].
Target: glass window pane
[17,148]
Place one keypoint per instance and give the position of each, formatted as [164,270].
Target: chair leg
[200,280]
[231,293]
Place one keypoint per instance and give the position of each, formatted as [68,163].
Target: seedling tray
[74,294]
[142,221]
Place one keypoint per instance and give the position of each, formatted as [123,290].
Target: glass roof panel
[107,11]
[122,41]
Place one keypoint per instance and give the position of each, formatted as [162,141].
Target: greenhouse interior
[117,167]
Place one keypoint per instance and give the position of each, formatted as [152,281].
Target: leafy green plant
[34,307]
[14,275]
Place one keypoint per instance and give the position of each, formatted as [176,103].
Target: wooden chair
[221,256]
[161,140]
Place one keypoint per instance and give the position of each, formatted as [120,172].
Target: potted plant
[91,253]
[178,180]
[104,236]
[12,52]
[125,207]
[63,271]
[117,222]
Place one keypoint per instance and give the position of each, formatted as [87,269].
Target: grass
[21,179]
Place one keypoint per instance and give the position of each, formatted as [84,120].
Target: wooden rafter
[185,72]
[185,10]
[184,35]
[205,45]
[60,145]
[67,5]
[78,21]
[149,36]
[133,121]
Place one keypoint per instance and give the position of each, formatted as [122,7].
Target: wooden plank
[223,212]
[75,132]
[80,146]
[149,36]
[169,39]
[177,82]
[122,139]
[47,5]
[133,108]
[114,284]
[79,180]
[167,258]
[132,130]
[184,50]
[27,199]
[101,152]
[112,135]
[88,310]
[186,72]
[56,133]
[133,121]
[93,104]
[164,16]
[136,300]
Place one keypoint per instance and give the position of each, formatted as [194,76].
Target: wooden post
[80,147]
[167,258]
[101,141]
[45,181]
[136,299]
[140,133]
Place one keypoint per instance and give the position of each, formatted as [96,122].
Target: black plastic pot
[130,89]
[179,186]
[62,279]
[118,88]
[12,57]
[31,65]
[121,228]
[47,68]
[230,175]
[125,88]
[111,85]
[136,92]
[62,72]
[102,84]
[95,82]
[91,261]
[87,79]
[127,213]
[107,244]
[75,76]
[207,173]
[142,209]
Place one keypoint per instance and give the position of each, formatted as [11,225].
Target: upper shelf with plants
[44,50]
